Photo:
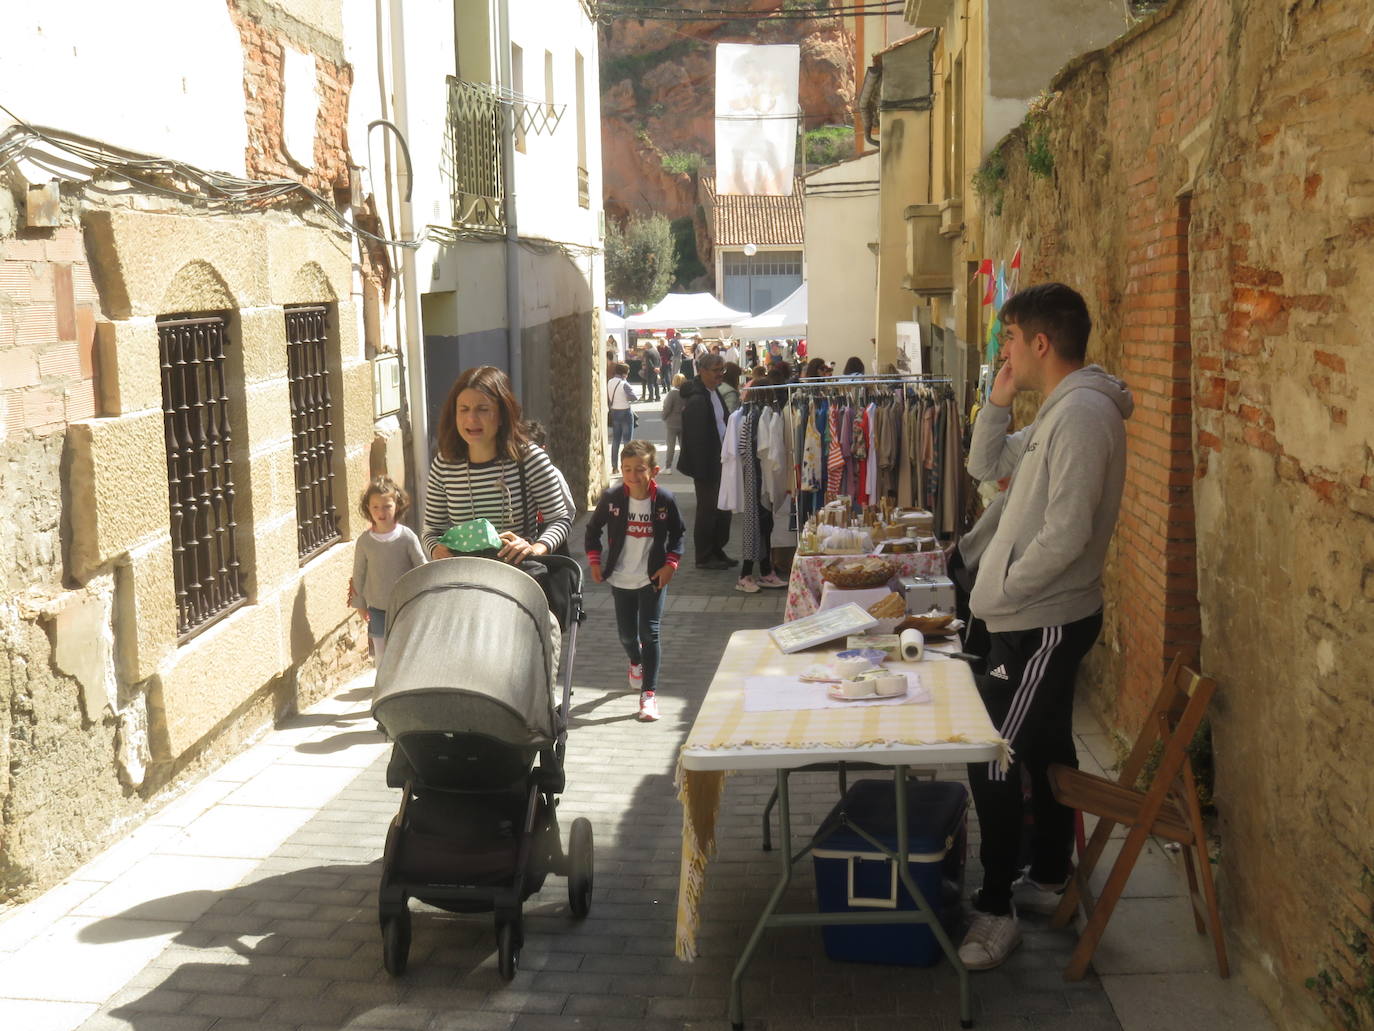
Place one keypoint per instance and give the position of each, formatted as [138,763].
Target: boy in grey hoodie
[1039,589]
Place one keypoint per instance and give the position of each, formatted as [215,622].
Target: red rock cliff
[658,90]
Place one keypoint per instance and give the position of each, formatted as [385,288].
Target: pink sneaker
[747,585]
[648,707]
[770,581]
[636,677]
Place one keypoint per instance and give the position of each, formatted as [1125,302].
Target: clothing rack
[852,381]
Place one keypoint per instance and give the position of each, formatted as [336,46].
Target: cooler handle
[874,902]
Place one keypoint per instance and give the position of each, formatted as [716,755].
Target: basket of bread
[859,574]
[887,611]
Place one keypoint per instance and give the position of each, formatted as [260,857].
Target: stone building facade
[113,684]
[1211,194]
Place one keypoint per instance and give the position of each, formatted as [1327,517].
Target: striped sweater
[495,494]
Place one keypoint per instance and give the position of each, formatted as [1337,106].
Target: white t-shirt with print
[632,566]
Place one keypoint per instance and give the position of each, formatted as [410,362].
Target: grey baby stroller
[465,690]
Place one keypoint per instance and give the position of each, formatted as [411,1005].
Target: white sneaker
[636,676]
[1034,897]
[648,707]
[747,585]
[667,470]
[989,941]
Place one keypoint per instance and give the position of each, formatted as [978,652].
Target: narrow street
[249,903]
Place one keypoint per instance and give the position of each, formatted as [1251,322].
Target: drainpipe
[514,351]
[868,100]
[410,291]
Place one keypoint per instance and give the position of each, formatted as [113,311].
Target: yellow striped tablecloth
[952,728]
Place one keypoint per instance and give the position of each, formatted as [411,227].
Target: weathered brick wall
[1283,280]
[1213,198]
[263,88]
[1114,132]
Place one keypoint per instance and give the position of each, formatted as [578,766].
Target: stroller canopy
[469,650]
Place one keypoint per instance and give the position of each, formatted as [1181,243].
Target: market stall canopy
[787,318]
[686,311]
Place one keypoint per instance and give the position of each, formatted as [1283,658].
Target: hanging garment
[847,441]
[731,475]
[861,450]
[834,466]
[871,472]
[890,417]
[771,447]
[928,457]
[812,477]
[903,430]
[754,544]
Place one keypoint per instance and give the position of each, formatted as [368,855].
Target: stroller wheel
[396,943]
[508,950]
[581,865]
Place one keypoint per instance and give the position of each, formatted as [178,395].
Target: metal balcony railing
[472,158]
[472,155]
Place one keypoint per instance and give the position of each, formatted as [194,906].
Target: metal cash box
[924,593]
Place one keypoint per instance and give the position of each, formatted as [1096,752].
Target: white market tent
[686,311]
[787,318]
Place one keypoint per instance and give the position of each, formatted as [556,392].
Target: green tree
[641,259]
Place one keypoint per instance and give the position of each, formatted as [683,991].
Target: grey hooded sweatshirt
[1043,566]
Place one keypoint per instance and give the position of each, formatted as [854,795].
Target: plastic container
[851,876]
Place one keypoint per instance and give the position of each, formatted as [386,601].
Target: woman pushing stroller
[487,468]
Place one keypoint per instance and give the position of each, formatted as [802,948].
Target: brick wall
[47,331]
[1213,198]
[263,89]
[1283,276]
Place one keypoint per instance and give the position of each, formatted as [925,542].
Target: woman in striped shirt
[487,468]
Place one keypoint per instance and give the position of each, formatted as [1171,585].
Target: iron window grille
[312,428]
[472,151]
[200,471]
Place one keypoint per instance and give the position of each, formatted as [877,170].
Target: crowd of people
[1029,570]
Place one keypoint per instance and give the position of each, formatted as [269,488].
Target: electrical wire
[216,189]
[612,12]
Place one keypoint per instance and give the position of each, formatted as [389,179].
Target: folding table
[952,728]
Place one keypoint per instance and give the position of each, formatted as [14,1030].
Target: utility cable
[217,188]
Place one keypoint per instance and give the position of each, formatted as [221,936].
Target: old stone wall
[574,443]
[104,709]
[1211,195]
[1283,277]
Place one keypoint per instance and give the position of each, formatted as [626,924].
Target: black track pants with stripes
[1028,691]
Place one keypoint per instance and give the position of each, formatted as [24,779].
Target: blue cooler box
[852,877]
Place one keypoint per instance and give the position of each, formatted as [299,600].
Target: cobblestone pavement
[251,904]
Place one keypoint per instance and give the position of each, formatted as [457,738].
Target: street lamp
[750,249]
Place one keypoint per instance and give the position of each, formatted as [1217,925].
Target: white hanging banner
[756,117]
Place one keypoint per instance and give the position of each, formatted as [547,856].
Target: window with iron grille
[312,428]
[200,470]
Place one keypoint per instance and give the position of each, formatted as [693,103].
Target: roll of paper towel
[913,645]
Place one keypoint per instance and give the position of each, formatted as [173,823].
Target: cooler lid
[935,811]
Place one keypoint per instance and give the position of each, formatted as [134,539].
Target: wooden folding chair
[1168,809]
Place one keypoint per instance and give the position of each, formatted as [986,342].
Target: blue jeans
[622,428]
[638,614]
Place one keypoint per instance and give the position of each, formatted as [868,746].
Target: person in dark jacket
[645,532]
[703,428]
